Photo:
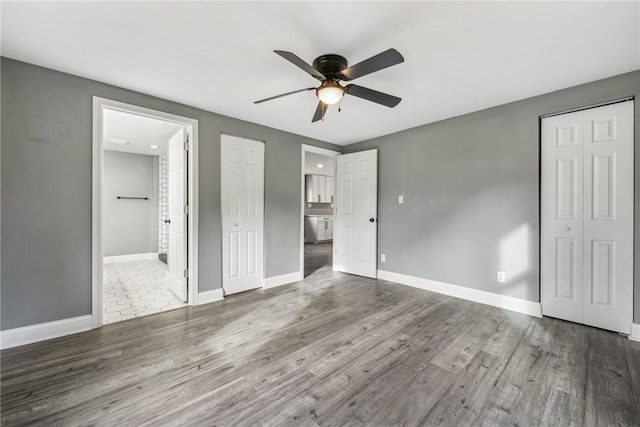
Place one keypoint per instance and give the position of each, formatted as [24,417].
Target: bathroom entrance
[144,210]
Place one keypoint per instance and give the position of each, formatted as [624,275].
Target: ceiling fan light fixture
[330,92]
[331,69]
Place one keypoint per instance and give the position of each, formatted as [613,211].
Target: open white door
[242,192]
[176,258]
[355,221]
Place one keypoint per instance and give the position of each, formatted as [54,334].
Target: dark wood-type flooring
[332,350]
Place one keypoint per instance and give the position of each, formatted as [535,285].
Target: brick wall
[164,206]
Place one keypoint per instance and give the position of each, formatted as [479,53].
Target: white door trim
[191,127]
[325,152]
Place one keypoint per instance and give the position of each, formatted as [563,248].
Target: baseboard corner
[284,279]
[207,297]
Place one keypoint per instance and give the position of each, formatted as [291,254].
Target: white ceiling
[314,160]
[459,56]
[140,133]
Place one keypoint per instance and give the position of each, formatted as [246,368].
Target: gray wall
[129,226]
[46,191]
[471,187]
[469,183]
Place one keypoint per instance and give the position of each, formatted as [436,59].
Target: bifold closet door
[587,217]
[242,192]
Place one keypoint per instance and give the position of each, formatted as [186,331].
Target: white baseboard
[502,301]
[126,258]
[209,296]
[285,279]
[44,331]
[635,332]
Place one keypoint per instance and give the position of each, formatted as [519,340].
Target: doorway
[144,212]
[318,201]
[587,216]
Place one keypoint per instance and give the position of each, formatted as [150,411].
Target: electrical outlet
[501,277]
[383,258]
[401,199]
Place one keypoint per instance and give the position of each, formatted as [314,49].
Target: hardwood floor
[316,256]
[334,349]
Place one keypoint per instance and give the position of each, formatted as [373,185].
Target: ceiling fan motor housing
[330,65]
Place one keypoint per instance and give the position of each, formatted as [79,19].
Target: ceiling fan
[330,69]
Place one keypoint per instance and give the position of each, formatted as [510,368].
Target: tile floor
[136,288]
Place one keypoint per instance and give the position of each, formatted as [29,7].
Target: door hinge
[186,272]
[186,209]
[186,146]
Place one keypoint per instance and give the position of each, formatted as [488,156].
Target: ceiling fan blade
[301,64]
[372,95]
[284,94]
[321,109]
[378,62]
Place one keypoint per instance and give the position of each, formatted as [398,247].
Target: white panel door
[177,251]
[587,217]
[608,217]
[242,202]
[561,211]
[355,221]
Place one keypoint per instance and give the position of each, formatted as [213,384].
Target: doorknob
[372,220]
[566,228]
[167,221]
[235,224]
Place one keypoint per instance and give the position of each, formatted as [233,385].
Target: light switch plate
[401,199]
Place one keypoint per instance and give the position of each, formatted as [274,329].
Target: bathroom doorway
[143,228]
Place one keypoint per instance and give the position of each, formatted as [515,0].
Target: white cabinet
[318,229]
[325,229]
[328,189]
[319,189]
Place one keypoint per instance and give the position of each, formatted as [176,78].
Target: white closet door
[561,209]
[355,226]
[242,192]
[608,217]
[587,217]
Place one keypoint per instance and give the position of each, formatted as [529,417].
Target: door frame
[633,226]
[191,128]
[325,152]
